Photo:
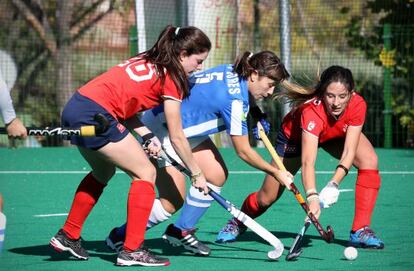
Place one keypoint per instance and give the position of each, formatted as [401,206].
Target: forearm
[348,154]
[345,163]
[308,178]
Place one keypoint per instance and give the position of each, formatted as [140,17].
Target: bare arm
[309,152]
[249,155]
[348,154]
[172,110]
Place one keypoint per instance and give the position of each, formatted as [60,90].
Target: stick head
[292,256]
[276,253]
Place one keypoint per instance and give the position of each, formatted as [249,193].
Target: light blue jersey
[219,101]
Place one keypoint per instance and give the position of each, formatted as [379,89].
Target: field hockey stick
[296,248]
[327,235]
[85,131]
[235,212]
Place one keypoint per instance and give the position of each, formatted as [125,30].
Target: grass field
[38,186]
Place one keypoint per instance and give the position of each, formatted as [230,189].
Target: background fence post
[387,90]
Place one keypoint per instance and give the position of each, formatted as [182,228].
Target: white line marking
[346,190]
[231,172]
[49,215]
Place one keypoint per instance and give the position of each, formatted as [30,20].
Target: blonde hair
[294,93]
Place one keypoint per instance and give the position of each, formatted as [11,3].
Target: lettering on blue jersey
[206,78]
[233,83]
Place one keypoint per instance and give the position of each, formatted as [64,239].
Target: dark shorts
[80,111]
[286,148]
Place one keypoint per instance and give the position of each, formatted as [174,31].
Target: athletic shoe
[61,242]
[186,238]
[365,238]
[141,256]
[114,241]
[230,231]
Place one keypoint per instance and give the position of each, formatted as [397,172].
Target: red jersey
[129,88]
[313,118]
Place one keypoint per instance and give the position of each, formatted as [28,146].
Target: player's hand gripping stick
[84,131]
[327,235]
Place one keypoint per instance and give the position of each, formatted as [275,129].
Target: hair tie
[250,55]
[177,30]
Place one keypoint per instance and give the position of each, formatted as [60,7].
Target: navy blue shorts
[286,148]
[80,111]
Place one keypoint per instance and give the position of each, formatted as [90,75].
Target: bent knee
[147,173]
[367,162]
[265,200]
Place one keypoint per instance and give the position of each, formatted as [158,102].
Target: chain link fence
[48,49]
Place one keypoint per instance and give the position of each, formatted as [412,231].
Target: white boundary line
[231,172]
[49,215]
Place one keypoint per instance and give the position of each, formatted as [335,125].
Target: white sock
[158,214]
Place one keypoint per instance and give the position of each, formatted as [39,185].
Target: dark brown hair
[265,63]
[166,52]
[331,75]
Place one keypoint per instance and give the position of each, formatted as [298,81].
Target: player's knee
[148,173]
[367,160]
[265,200]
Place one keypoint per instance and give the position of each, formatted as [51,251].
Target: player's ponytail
[330,75]
[165,54]
[241,65]
[266,63]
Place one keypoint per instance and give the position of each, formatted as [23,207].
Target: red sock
[251,206]
[140,200]
[86,196]
[366,191]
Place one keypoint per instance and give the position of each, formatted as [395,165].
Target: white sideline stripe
[231,172]
[49,215]
[346,190]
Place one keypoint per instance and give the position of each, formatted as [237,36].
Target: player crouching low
[331,116]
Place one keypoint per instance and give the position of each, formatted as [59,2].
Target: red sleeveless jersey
[313,118]
[129,88]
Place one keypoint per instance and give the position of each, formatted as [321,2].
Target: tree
[58,25]
[366,34]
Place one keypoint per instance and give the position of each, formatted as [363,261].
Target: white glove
[329,195]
